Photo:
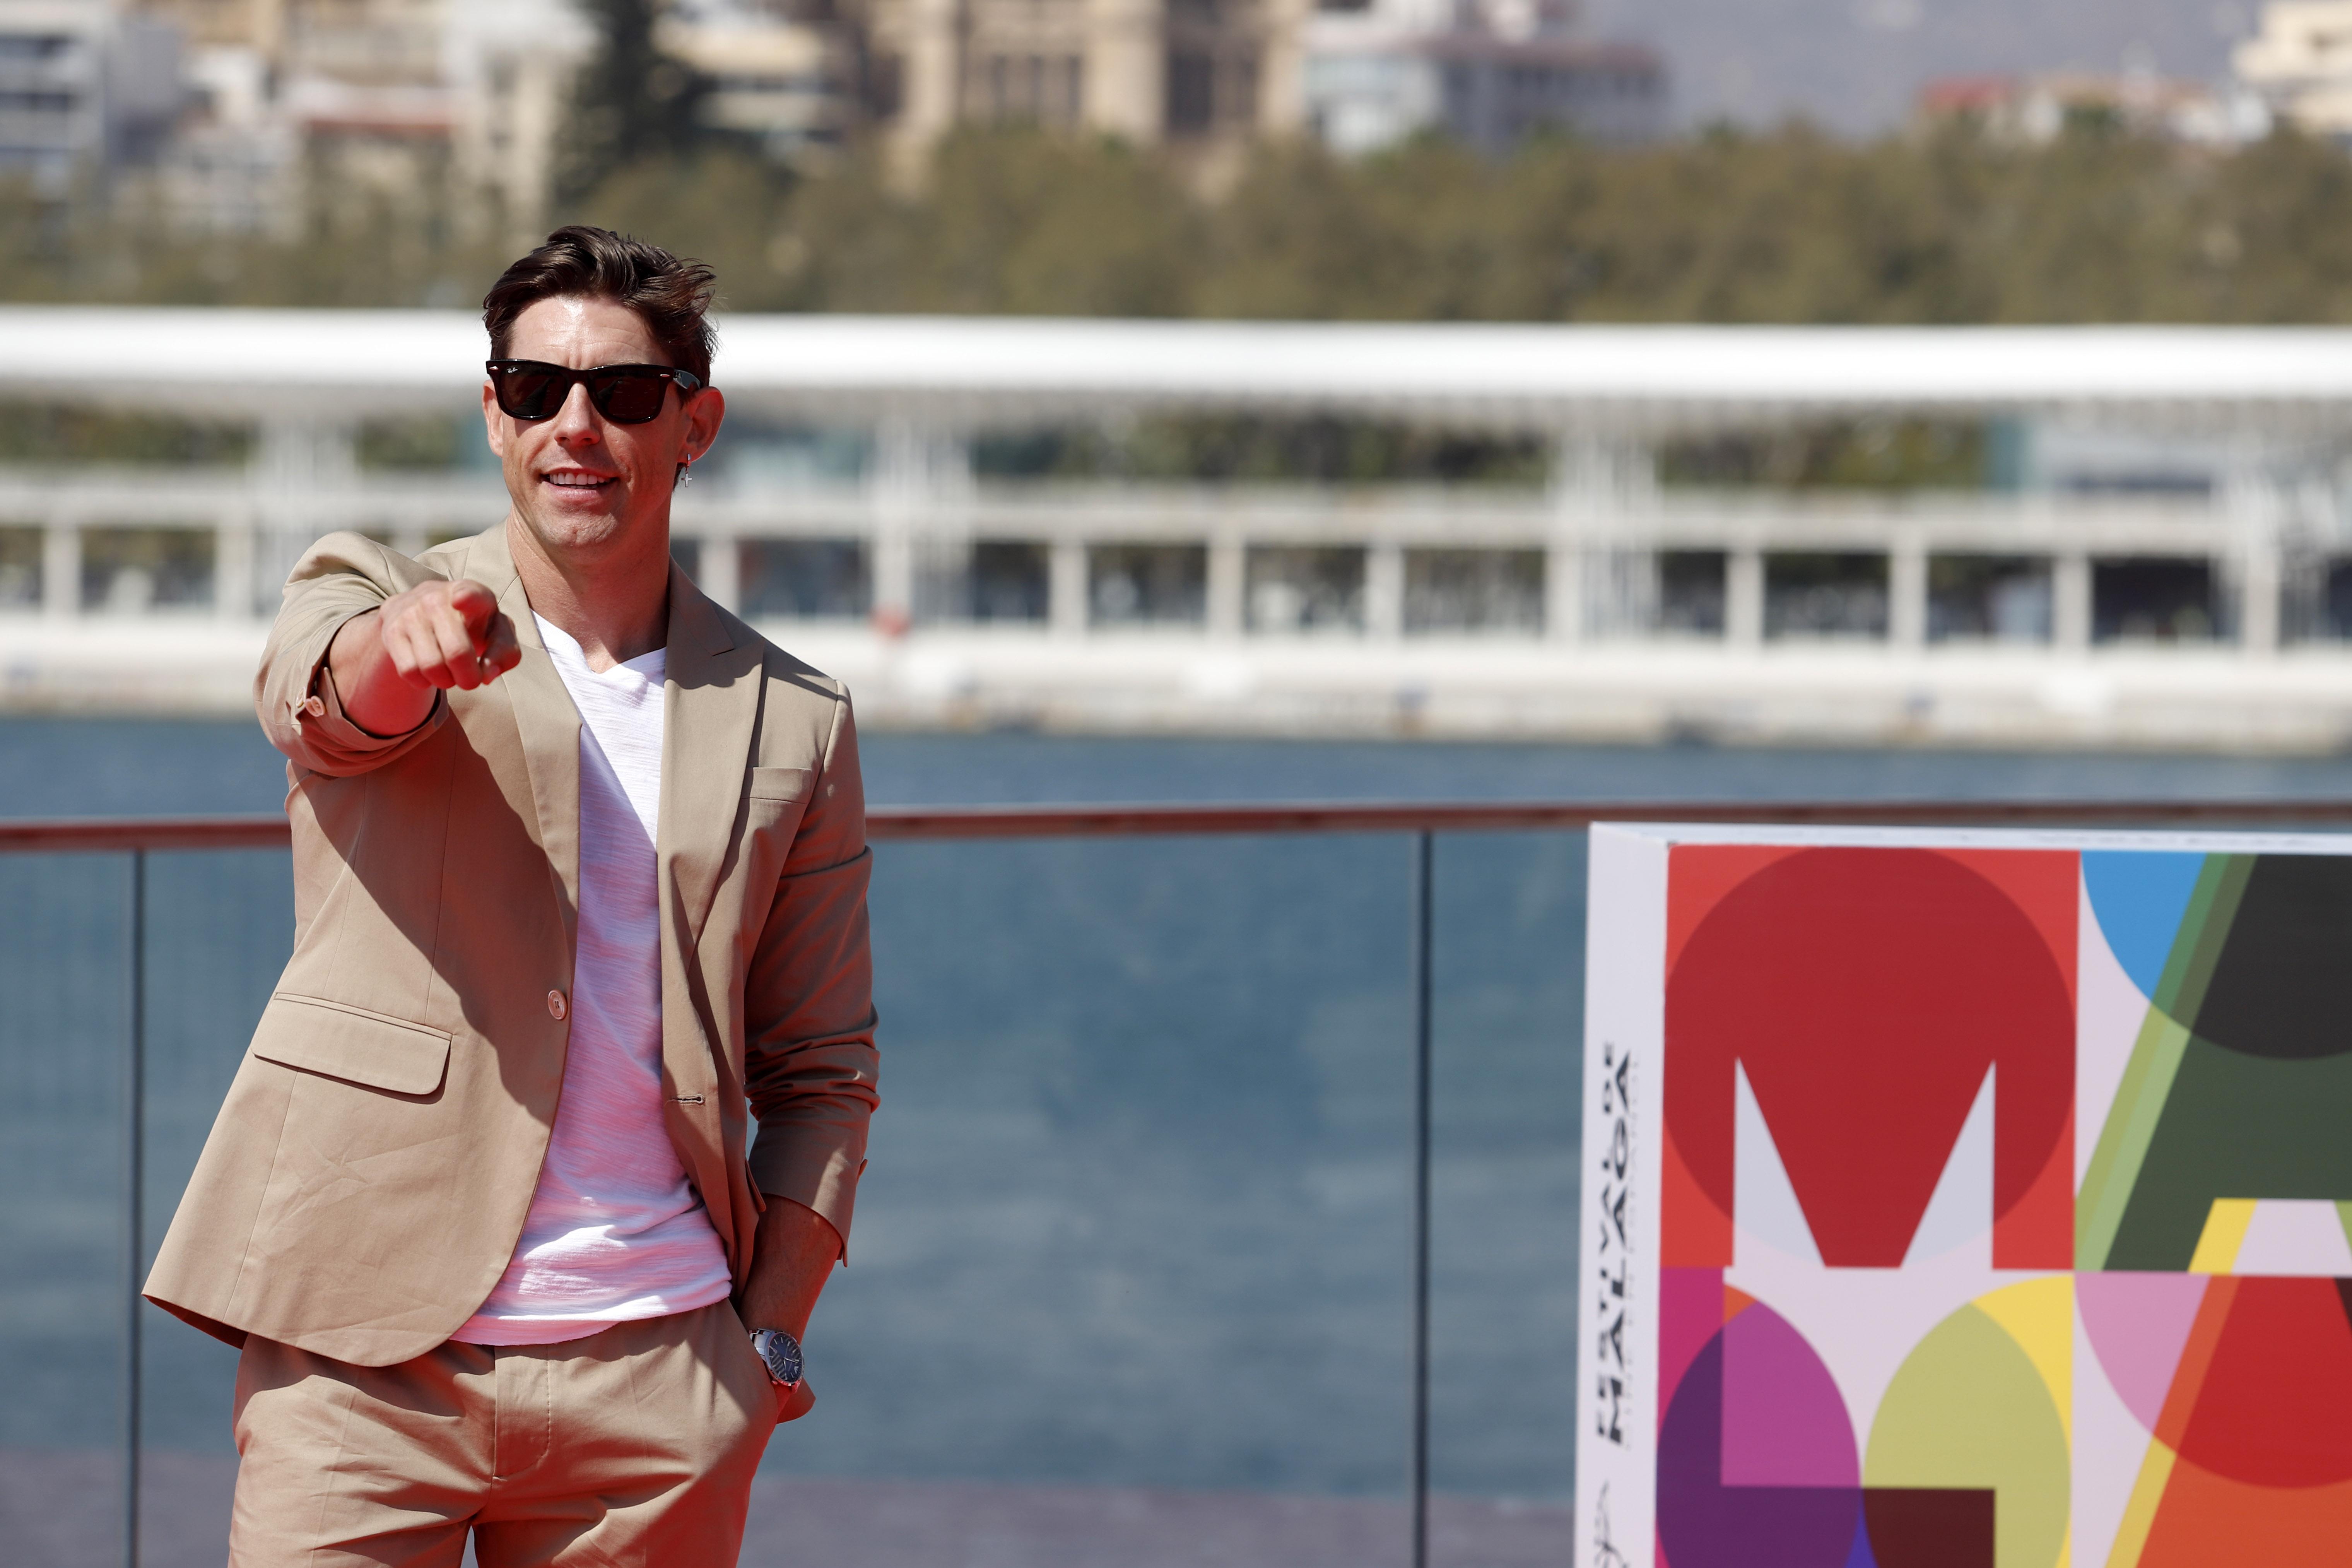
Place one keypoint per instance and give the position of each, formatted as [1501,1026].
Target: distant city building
[2300,63]
[2035,108]
[397,96]
[789,76]
[1201,76]
[83,90]
[1488,73]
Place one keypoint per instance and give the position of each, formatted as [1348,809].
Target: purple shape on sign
[2139,1324]
[1702,1523]
[1784,1422]
[1690,1313]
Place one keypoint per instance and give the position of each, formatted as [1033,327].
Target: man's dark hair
[671,293]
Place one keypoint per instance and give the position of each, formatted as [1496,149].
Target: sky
[1856,66]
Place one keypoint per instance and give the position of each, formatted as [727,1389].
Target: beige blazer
[367,1178]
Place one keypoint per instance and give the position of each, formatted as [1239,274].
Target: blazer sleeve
[810,1062]
[342,576]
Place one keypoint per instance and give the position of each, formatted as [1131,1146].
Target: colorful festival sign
[1967,1200]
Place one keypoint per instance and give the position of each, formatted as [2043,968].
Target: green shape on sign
[2115,1163]
[2234,1126]
[1967,1409]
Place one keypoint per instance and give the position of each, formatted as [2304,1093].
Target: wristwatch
[780,1353]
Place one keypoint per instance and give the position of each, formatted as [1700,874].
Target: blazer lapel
[547,721]
[711,714]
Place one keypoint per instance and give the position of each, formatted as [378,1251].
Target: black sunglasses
[624,394]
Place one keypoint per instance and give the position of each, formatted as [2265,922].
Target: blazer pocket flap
[779,783]
[351,1043]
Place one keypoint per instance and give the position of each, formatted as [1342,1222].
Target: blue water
[1139,1206]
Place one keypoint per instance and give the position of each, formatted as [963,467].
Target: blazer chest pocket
[351,1043]
[782,785]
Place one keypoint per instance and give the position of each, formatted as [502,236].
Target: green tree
[632,102]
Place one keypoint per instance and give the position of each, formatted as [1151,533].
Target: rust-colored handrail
[941,823]
[1456,817]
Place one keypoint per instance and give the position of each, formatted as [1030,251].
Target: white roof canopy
[1000,371]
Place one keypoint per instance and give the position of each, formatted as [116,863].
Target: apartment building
[82,90]
[1197,75]
[2300,62]
[369,95]
[1486,73]
[2035,108]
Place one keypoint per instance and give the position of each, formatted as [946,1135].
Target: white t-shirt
[614,1234]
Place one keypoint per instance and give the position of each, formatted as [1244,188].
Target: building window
[1305,589]
[1493,591]
[886,86]
[804,579]
[1192,92]
[20,568]
[1691,585]
[2153,599]
[129,571]
[1146,585]
[1073,104]
[1239,105]
[1809,594]
[1010,581]
[2000,598]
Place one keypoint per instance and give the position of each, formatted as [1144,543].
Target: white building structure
[2037,107]
[2167,570]
[1486,73]
[419,98]
[788,82]
[83,87]
[2300,62]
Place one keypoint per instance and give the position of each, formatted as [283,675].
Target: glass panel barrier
[62,1018]
[1133,1275]
[1133,1279]
[1508,1092]
[1130,1266]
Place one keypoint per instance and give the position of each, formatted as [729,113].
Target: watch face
[781,1353]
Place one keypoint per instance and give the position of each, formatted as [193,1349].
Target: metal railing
[242,533]
[135,838]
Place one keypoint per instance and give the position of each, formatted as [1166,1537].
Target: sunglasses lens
[523,393]
[631,399]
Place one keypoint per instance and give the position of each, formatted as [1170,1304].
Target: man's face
[581,483]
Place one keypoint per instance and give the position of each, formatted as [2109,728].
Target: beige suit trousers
[635,1446]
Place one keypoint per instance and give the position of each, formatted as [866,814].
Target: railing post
[1065,588]
[134,1189]
[1743,599]
[1907,594]
[720,568]
[1384,591]
[61,570]
[1424,864]
[2073,609]
[1228,582]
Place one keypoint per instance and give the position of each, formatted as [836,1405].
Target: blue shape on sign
[2138,897]
[1861,1555]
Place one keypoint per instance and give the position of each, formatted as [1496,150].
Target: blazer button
[555,1005]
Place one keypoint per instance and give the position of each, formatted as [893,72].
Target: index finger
[500,651]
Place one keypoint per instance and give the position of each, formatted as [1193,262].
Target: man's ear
[704,414]
[494,424]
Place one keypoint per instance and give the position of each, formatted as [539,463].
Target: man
[579,869]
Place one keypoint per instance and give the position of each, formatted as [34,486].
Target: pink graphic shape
[1784,1422]
[1690,1311]
[2138,1323]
